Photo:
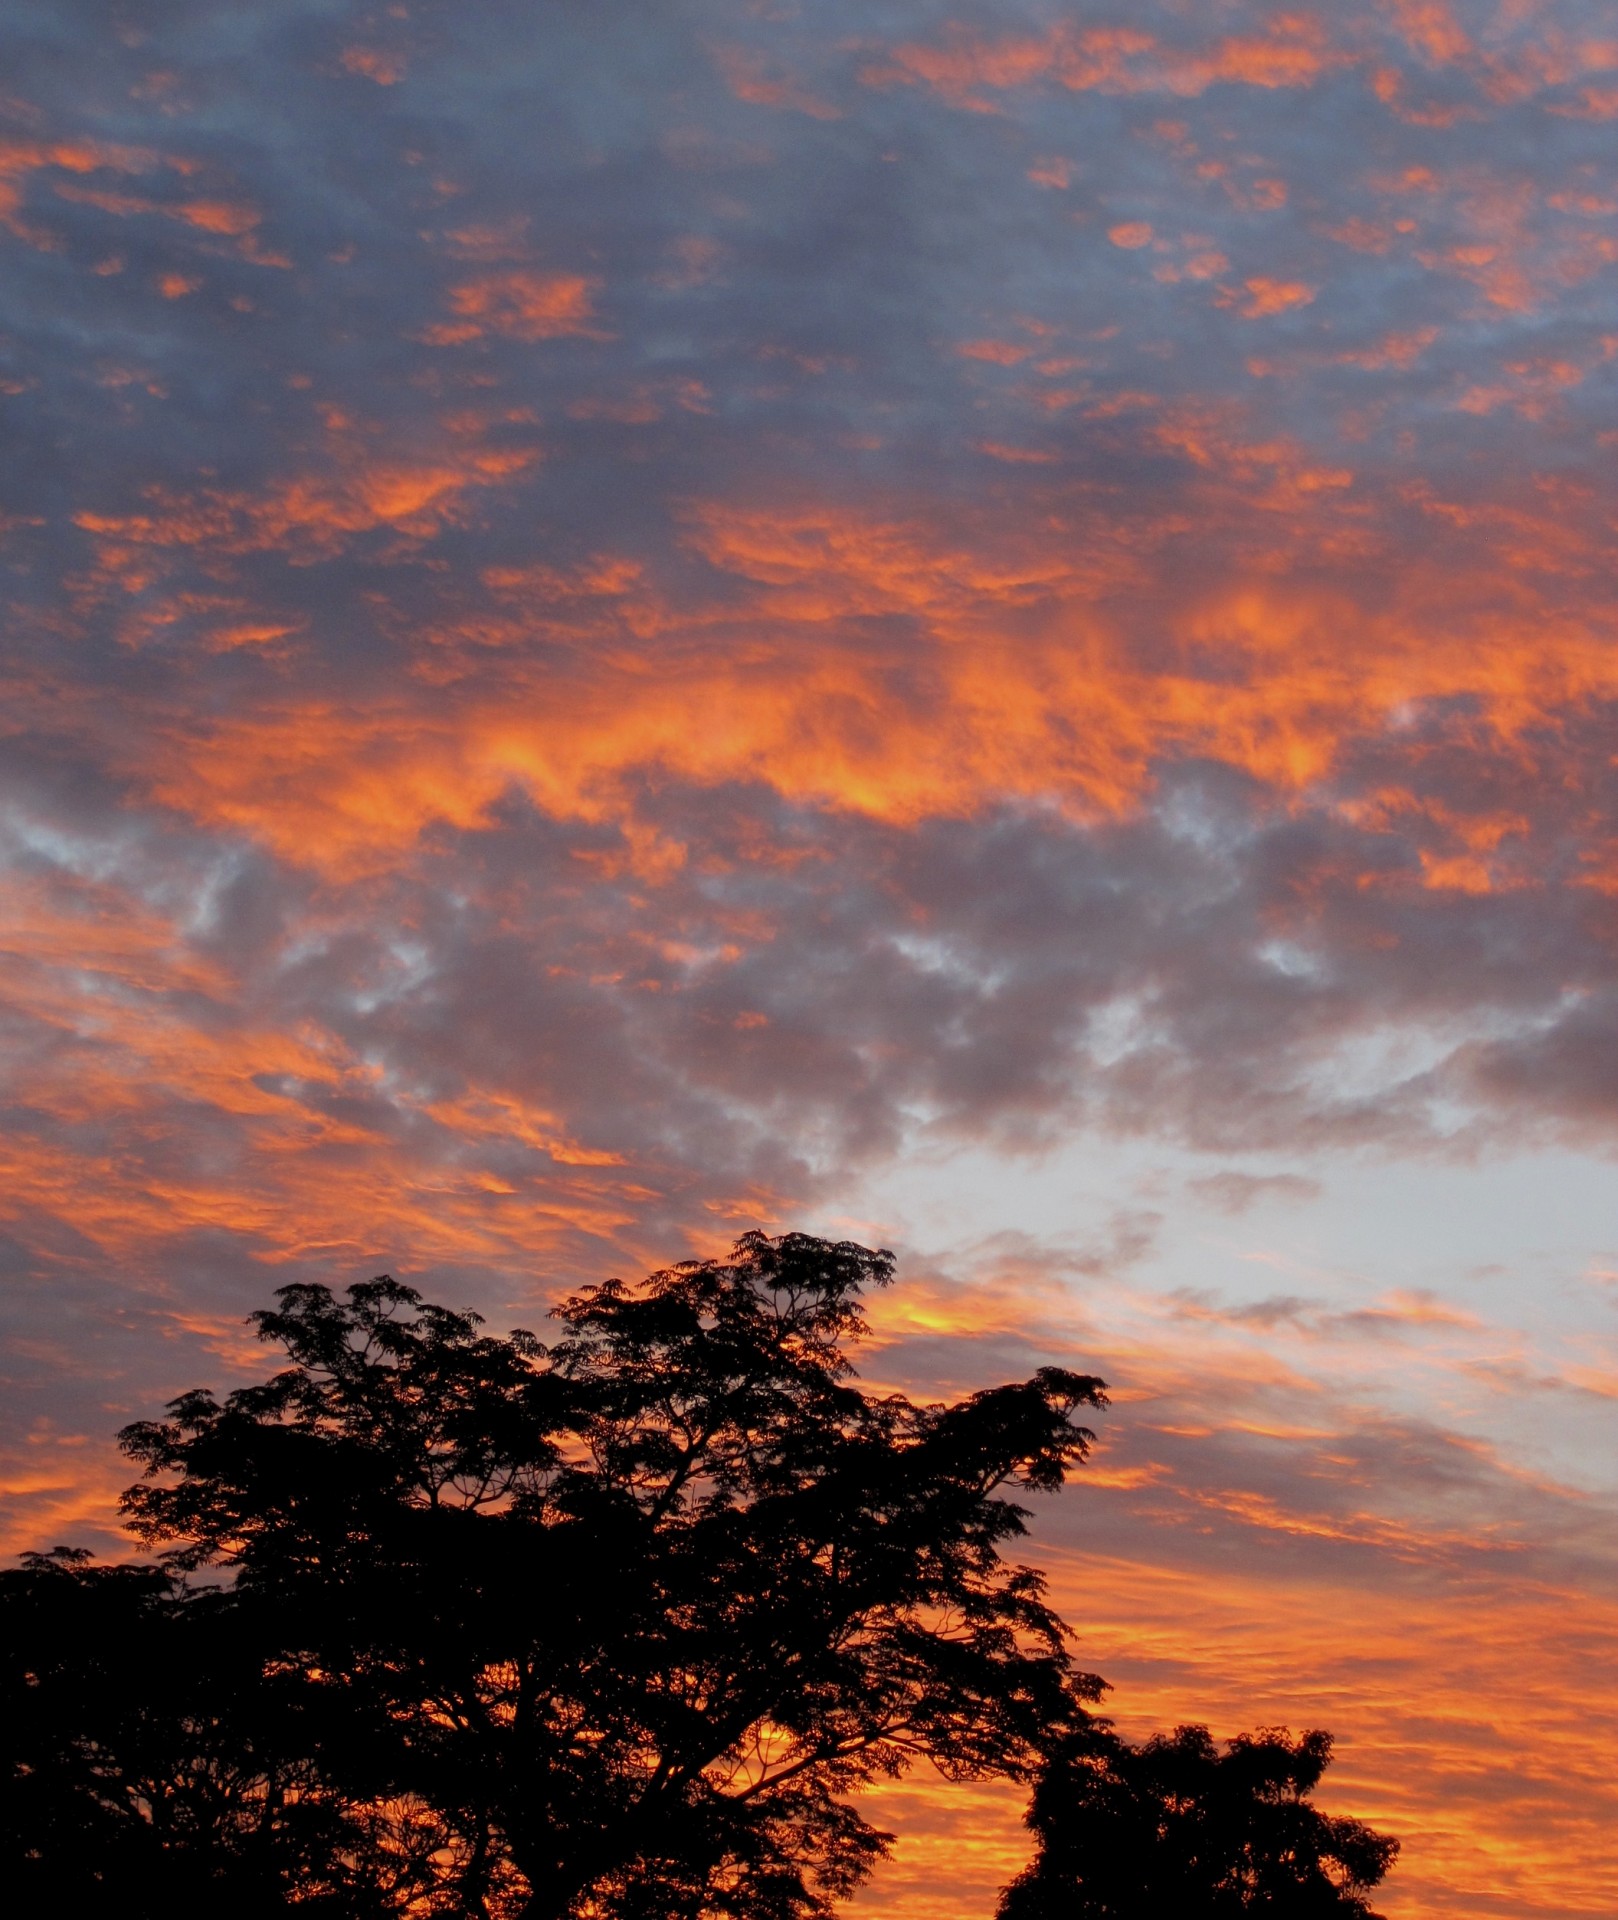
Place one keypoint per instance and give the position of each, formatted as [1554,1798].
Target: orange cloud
[219,216]
[1594,103]
[316,1178]
[321,510]
[371,63]
[523,305]
[1266,296]
[1035,688]
[1004,353]
[20,158]
[1429,28]
[210,216]
[1017,456]
[967,68]
[750,78]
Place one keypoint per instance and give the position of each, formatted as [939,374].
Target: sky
[983,626]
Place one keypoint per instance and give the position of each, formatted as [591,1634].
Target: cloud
[1265,296]
[522,305]
[968,68]
[1234,1192]
[749,77]
[386,69]
[609,633]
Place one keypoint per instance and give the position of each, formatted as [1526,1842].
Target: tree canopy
[1175,1827]
[152,1758]
[630,1616]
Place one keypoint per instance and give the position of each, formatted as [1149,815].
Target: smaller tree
[1177,1828]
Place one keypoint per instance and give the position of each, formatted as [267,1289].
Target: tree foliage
[1175,1827]
[150,1758]
[625,1620]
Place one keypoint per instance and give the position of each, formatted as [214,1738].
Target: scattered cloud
[607,633]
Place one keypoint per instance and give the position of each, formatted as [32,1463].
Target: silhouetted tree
[1176,1830]
[149,1761]
[621,1623]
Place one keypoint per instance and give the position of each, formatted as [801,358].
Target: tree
[150,1762]
[1175,1827]
[623,1622]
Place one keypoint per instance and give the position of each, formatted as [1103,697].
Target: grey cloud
[1232,1191]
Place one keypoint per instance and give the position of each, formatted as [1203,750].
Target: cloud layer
[614,627]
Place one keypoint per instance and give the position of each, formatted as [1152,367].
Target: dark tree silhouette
[1177,1828]
[148,1761]
[620,1624]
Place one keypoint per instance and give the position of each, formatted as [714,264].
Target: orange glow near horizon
[1430,1718]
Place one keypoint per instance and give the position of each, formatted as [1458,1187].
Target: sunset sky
[989,627]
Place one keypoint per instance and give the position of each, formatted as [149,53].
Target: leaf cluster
[1175,1826]
[151,1758]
